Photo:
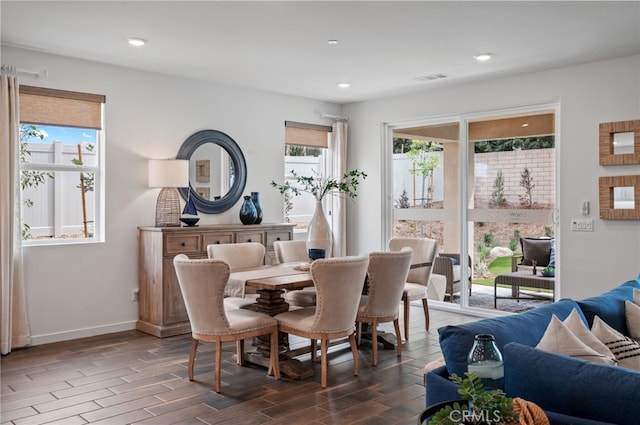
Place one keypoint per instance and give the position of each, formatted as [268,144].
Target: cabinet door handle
[218,242]
[183,244]
[249,240]
[278,238]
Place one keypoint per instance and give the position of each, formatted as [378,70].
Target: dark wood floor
[134,378]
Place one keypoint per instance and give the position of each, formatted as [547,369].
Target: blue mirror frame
[221,139]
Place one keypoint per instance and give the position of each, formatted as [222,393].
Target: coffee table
[525,278]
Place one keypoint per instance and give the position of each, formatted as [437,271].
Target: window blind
[60,107]
[297,133]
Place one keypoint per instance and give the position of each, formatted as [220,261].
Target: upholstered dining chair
[202,283]
[239,256]
[424,251]
[386,278]
[339,283]
[292,251]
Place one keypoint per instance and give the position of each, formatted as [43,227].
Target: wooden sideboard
[161,309]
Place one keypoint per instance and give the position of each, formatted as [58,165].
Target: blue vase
[248,213]
[255,197]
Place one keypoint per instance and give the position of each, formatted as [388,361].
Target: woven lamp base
[168,208]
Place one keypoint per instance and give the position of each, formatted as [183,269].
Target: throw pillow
[535,249]
[636,295]
[626,350]
[575,324]
[559,339]
[632,312]
[552,255]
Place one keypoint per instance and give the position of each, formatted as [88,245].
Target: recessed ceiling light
[136,41]
[483,57]
[332,42]
[344,85]
[526,124]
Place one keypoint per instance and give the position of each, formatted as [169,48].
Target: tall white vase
[319,234]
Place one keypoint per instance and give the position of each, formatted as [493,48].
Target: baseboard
[82,333]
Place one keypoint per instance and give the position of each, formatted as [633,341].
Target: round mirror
[217,171]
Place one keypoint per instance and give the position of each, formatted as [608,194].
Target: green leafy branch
[320,186]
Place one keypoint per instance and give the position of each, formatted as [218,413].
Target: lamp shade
[168,173]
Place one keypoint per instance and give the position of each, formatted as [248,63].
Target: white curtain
[338,158]
[14,326]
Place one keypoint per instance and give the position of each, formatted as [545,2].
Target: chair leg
[396,326]
[406,317]
[359,330]
[323,359]
[192,357]
[275,358]
[240,352]
[425,307]
[314,348]
[354,350]
[374,341]
[217,367]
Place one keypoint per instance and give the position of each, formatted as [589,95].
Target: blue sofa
[571,391]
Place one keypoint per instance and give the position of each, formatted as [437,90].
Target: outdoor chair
[386,277]
[448,265]
[339,283]
[202,283]
[415,288]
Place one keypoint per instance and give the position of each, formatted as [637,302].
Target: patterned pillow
[552,254]
[632,312]
[559,339]
[626,350]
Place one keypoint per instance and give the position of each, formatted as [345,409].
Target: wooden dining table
[270,283]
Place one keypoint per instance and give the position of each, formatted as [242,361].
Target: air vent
[431,77]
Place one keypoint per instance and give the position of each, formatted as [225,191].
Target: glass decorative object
[255,197]
[248,213]
[486,361]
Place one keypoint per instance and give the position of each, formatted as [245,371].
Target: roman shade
[297,133]
[60,107]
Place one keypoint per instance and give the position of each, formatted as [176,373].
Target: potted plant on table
[319,233]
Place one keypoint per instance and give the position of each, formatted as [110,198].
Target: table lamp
[168,174]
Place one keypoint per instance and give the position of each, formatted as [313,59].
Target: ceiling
[383,49]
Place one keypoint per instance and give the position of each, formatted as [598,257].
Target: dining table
[271,282]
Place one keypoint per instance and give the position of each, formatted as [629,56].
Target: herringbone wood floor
[134,378]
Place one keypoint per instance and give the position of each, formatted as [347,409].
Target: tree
[526,181]
[424,162]
[525,143]
[30,178]
[498,189]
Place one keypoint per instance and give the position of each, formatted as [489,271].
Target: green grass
[501,265]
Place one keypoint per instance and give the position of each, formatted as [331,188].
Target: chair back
[386,277]
[238,255]
[424,251]
[202,283]
[290,251]
[339,282]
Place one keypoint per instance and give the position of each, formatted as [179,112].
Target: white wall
[588,95]
[150,115]
[147,116]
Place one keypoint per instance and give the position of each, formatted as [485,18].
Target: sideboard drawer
[215,239]
[277,236]
[182,244]
[249,237]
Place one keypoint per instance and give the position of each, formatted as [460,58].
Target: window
[61,164]
[305,154]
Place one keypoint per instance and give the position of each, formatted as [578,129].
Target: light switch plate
[582,225]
